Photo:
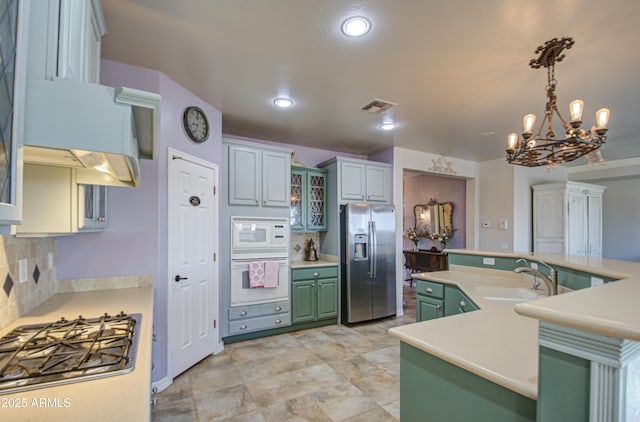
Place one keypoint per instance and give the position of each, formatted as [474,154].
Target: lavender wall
[135,242]
[420,189]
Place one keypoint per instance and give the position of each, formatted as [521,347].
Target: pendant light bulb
[528,121]
[575,109]
[602,118]
[512,140]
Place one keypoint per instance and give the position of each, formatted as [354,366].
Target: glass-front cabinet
[12,84]
[92,204]
[308,199]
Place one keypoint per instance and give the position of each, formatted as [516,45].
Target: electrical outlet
[22,270]
[489,261]
[596,281]
[50,260]
[504,245]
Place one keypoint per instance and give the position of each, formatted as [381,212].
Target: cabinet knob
[429,290]
[277,309]
[438,306]
[243,313]
[243,327]
[316,274]
[462,304]
[277,321]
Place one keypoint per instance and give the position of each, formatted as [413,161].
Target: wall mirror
[434,217]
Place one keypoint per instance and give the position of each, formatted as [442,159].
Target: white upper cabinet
[567,218]
[65,40]
[361,180]
[352,181]
[81,29]
[259,176]
[14,29]
[378,183]
[276,178]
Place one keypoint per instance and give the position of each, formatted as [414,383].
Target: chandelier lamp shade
[544,148]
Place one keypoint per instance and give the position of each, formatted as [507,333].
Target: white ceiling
[458,70]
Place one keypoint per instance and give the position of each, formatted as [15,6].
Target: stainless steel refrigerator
[367,262]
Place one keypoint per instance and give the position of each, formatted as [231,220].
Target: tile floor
[332,373]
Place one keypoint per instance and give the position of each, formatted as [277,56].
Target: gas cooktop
[65,351]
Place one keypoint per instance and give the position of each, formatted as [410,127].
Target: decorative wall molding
[442,165]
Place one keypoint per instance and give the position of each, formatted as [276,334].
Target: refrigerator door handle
[372,252]
[374,242]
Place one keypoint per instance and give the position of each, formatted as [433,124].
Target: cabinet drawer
[259,323]
[312,273]
[429,288]
[243,312]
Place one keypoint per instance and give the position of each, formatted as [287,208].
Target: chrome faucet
[551,281]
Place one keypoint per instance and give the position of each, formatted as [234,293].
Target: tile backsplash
[18,298]
[299,243]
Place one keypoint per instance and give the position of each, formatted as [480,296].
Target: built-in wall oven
[258,241]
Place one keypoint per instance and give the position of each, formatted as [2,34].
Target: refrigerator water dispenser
[360,241]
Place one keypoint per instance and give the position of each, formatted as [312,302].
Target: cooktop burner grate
[39,355]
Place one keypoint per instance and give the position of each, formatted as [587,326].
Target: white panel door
[595,225]
[193,292]
[577,224]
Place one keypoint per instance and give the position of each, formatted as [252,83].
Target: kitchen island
[484,365]
[121,397]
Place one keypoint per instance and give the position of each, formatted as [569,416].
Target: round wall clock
[196,124]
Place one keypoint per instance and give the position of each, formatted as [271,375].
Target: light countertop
[607,267]
[499,342]
[494,342]
[313,264]
[611,309]
[121,397]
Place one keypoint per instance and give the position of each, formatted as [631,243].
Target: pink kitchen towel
[271,274]
[256,274]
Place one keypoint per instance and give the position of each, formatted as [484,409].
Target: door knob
[178,278]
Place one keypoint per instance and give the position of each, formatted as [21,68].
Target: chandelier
[540,149]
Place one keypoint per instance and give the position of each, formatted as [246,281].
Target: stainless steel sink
[508,294]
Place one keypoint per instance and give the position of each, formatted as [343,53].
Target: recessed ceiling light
[283,102]
[356,26]
[388,126]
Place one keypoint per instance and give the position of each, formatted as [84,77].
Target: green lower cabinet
[428,308]
[314,294]
[327,292]
[564,387]
[456,302]
[432,389]
[435,300]
[303,301]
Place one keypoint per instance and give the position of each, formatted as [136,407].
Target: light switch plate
[22,270]
[50,260]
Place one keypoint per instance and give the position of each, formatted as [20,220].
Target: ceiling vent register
[378,106]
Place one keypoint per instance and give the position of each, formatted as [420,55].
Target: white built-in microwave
[259,237]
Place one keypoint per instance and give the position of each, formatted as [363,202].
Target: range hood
[101,131]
